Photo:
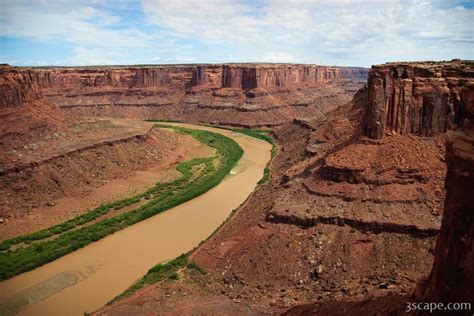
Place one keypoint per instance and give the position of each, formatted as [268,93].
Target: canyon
[235,94]
[368,202]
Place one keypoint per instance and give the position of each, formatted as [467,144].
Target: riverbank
[198,175]
[214,206]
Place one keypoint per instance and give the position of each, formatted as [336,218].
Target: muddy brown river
[85,280]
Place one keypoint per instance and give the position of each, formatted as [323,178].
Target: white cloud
[93,14]
[95,56]
[62,21]
[338,31]
[343,32]
[278,58]
[180,59]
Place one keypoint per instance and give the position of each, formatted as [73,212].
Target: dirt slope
[349,220]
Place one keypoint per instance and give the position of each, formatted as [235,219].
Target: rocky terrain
[452,275]
[350,219]
[54,146]
[54,164]
[415,98]
[234,94]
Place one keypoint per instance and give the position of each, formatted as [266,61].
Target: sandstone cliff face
[199,76]
[249,77]
[123,77]
[17,87]
[452,276]
[416,98]
[234,94]
[222,76]
[238,77]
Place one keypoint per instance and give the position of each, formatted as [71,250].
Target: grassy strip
[256,133]
[165,196]
[169,269]
[150,279]
[263,135]
[160,272]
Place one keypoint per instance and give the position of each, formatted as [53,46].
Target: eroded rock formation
[235,94]
[370,208]
[17,87]
[452,276]
[268,76]
[416,98]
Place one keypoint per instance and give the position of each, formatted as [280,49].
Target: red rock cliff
[418,98]
[267,76]
[452,276]
[204,93]
[225,76]
[17,87]
[200,76]
[124,77]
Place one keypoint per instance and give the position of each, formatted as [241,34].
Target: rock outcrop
[394,183]
[243,76]
[452,276]
[415,98]
[17,87]
[370,209]
[200,76]
[248,77]
[234,94]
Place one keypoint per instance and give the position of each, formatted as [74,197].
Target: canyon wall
[417,98]
[452,276]
[268,76]
[121,77]
[17,87]
[233,94]
[429,99]
[223,76]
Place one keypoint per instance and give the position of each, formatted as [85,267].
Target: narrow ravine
[90,277]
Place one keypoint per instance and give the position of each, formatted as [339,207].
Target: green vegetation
[168,270]
[263,135]
[256,133]
[193,266]
[160,272]
[197,176]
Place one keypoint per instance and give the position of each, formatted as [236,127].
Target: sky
[326,32]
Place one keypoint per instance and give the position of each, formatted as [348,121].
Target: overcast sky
[331,32]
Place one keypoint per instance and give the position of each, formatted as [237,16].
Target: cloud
[96,56]
[49,21]
[278,58]
[102,18]
[92,33]
[339,32]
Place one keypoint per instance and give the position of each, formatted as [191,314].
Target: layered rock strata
[452,276]
[415,98]
[452,272]
[234,94]
[356,217]
[17,87]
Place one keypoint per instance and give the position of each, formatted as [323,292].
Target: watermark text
[431,307]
